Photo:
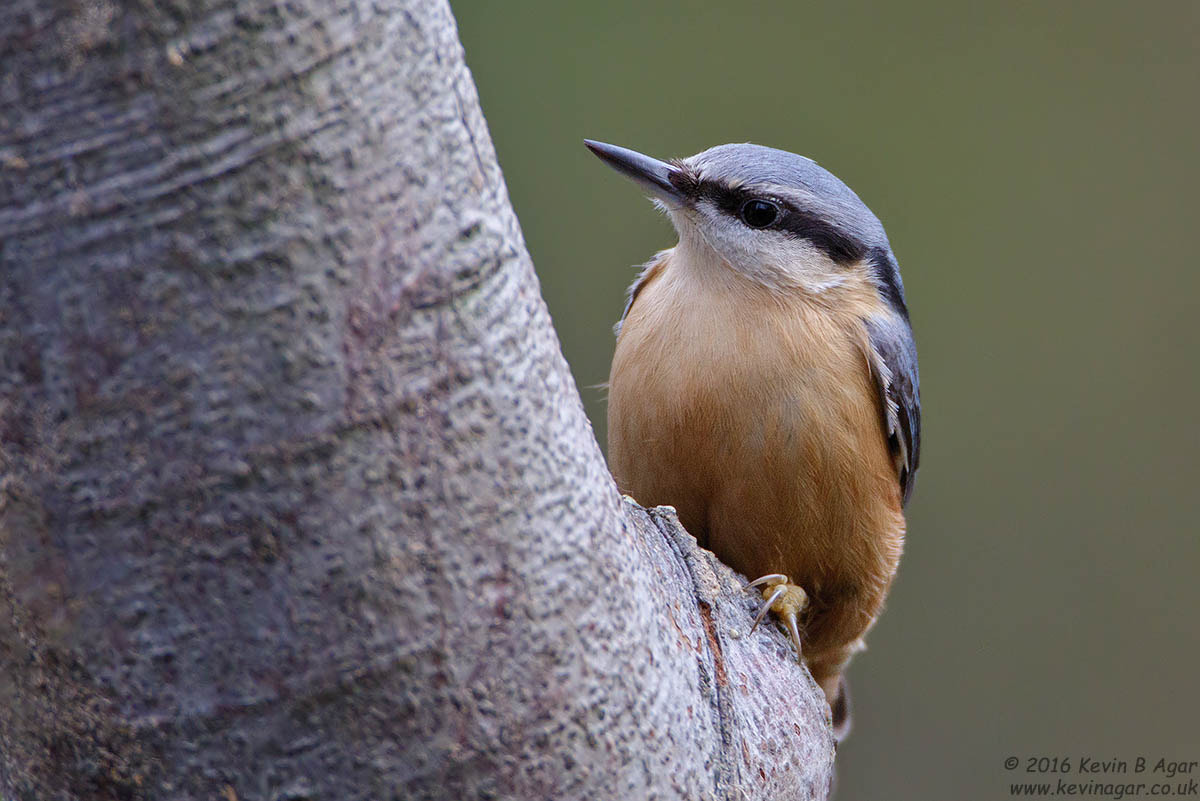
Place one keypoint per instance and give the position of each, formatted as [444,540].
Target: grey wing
[648,274]
[894,363]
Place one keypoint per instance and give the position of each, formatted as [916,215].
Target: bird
[765,385]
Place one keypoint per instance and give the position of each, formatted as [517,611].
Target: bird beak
[651,174]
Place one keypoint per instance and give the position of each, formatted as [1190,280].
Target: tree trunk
[297,496]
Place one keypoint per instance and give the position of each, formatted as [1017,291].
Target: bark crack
[716,687]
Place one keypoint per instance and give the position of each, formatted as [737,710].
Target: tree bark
[297,496]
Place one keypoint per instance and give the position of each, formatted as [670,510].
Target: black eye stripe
[839,245]
[836,243]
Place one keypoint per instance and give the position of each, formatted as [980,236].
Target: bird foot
[783,598]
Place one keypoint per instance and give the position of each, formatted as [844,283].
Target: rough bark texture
[298,498]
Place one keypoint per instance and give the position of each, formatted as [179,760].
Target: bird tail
[840,710]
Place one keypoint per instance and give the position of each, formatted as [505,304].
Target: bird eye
[759,213]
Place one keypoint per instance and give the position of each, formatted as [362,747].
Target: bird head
[775,217]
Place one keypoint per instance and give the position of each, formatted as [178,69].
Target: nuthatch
[765,385]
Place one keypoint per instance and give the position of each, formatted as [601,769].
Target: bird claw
[770,578]
[768,602]
[785,599]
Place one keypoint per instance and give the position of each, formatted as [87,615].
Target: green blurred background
[1036,167]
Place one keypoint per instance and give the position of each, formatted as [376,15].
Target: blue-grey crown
[824,192]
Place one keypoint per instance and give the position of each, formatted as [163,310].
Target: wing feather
[649,272]
[894,364]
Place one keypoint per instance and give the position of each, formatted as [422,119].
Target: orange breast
[756,416]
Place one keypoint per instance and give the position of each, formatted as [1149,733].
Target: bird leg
[786,600]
